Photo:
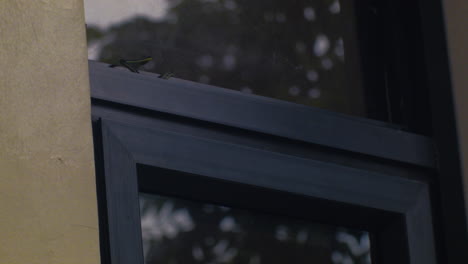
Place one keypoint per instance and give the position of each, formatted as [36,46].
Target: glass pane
[182,231]
[301,51]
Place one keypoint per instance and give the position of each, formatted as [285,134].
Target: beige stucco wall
[456,16]
[47,185]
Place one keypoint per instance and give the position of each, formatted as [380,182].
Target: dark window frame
[260,114]
[127,145]
[124,102]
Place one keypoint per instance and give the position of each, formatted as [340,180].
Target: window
[208,233]
[290,51]
[339,55]
[134,136]
[200,145]
[392,208]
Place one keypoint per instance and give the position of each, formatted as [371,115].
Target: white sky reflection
[104,13]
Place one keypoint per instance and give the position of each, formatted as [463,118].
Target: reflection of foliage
[291,50]
[179,231]
[353,247]
[93,33]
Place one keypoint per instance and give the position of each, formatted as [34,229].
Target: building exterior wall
[47,184]
[456,25]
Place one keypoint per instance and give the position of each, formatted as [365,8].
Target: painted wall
[48,203]
[456,24]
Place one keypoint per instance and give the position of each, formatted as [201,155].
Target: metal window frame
[260,114]
[127,145]
[158,124]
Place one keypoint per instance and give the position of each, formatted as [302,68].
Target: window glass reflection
[182,231]
[298,51]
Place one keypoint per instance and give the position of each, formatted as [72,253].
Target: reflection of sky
[104,13]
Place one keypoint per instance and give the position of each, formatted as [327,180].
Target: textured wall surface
[456,24]
[47,185]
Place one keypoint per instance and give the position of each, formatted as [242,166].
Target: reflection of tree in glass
[353,247]
[291,50]
[179,231]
